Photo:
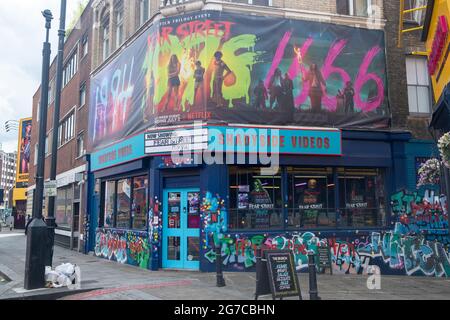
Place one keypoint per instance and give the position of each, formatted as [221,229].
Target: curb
[49,295]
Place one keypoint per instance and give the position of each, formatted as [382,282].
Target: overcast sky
[22,31]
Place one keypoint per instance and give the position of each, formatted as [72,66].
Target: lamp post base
[35,263]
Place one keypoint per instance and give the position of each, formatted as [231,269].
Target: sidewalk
[103,279]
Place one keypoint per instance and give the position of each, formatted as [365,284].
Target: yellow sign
[23,153]
[438,41]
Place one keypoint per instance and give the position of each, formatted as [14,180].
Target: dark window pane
[174,210]
[311,198]
[193,252]
[193,210]
[255,199]
[110,194]
[123,203]
[173,248]
[361,197]
[140,198]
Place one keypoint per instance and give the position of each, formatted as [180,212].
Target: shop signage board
[276,275]
[227,139]
[50,188]
[159,142]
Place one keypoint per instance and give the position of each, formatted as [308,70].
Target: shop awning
[441,116]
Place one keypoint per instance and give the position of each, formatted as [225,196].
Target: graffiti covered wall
[123,246]
[418,244]
[241,68]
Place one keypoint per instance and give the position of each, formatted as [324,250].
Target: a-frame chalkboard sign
[324,256]
[276,275]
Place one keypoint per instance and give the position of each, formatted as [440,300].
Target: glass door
[181,229]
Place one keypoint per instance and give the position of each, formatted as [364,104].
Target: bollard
[219,274]
[313,292]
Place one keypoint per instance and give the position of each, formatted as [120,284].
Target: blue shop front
[168,210]
[293,150]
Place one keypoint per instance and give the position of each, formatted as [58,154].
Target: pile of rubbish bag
[64,275]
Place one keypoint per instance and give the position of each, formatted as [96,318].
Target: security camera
[47,14]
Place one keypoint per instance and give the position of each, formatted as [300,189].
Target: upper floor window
[119,24]
[418,85]
[66,129]
[144,11]
[51,91]
[415,16]
[105,37]
[80,145]
[83,95]
[255,2]
[70,69]
[84,46]
[360,8]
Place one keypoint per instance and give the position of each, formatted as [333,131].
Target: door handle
[184,210]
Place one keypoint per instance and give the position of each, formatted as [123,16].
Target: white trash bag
[64,275]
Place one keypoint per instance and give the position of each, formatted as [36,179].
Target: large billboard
[23,153]
[235,68]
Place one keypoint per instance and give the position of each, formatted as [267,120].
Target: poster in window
[243,200]
[261,204]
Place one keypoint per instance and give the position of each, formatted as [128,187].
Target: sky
[22,30]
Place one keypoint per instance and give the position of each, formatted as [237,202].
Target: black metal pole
[59,70]
[219,274]
[313,292]
[37,232]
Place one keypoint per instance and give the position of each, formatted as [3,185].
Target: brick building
[71,167]
[350,109]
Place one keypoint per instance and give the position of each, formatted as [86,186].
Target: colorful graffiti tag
[252,69]
[417,245]
[123,246]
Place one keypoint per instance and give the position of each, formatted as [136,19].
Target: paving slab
[108,280]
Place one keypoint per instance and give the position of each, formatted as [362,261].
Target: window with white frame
[415,16]
[144,11]
[38,113]
[70,69]
[36,148]
[80,145]
[360,8]
[119,24]
[83,95]
[84,46]
[255,2]
[418,84]
[105,37]
[66,129]
[51,91]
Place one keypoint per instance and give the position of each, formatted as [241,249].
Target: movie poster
[24,151]
[213,65]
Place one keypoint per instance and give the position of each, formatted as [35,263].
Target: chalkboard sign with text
[324,256]
[280,275]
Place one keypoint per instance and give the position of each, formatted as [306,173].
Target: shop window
[110,196]
[311,198]
[140,196]
[255,199]
[362,197]
[63,211]
[123,203]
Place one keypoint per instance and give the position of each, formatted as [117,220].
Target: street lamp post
[37,230]
[59,66]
